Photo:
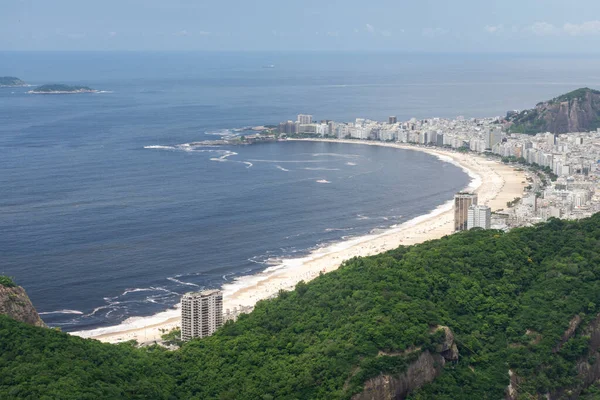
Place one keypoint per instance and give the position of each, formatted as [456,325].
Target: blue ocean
[106,213]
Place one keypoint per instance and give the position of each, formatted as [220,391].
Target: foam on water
[133,323]
[276,265]
[336,155]
[77,312]
[289,161]
[158,147]
[323,181]
[174,279]
[192,148]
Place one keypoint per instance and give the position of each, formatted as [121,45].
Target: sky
[514,26]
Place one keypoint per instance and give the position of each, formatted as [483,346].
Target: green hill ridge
[576,111]
[527,301]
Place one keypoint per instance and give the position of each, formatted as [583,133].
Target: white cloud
[333,34]
[543,29]
[583,29]
[204,33]
[112,34]
[182,33]
[494,28]
[386,33]
[370,28]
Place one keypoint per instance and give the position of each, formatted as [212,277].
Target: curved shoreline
[494,182]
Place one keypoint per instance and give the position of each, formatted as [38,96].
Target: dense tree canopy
[508,298]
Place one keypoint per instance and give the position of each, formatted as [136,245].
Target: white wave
[160,147]
[182,283]
[351,163]
[288,161]
[249,164]
[104,91]
[225,154]
[95,310]
[322,181]
[225,277]
[220,132]
[277,264]
[336,155]
[321,169]
[338,229]
[132,323]
[362,217]
[77,312]
[281,168]
[136,290]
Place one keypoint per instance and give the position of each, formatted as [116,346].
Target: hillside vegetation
[509,298]
[576,111]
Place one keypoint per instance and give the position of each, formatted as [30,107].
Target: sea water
[107,211]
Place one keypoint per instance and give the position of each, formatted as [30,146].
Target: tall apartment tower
[462,202]
[392,120]
[201,313]
[304,119]
[479,217]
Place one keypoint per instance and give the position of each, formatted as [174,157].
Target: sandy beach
[495,184]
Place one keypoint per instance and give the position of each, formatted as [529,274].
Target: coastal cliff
[422,371]
[576,111]
[587,366]
[15,303]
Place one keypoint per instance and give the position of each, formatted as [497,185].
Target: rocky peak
[15,303]
[576,111]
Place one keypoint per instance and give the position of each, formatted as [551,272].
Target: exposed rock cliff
[588,366]
[424,370]
[15,303]
[577,111]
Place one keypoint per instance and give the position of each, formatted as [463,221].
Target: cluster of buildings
[468,214]
[563,176]
[563,173]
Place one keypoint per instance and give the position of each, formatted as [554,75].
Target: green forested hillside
[508,298]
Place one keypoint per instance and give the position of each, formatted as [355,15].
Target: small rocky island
[11,81]
[61,89]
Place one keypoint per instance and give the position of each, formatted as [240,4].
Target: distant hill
[576,111]
[61,89]
[11,81]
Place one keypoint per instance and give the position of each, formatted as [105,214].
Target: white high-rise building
[304,119]
[201,313]
[479,217]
